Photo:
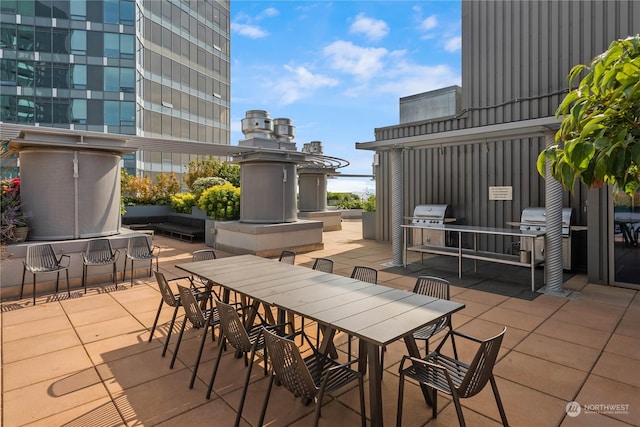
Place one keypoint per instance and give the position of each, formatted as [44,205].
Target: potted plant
[14,221]
[369,217]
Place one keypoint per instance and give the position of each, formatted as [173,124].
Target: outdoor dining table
[376,314]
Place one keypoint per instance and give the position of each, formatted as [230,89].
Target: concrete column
[397,193]
[553,246]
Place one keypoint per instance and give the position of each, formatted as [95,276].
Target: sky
[338,69]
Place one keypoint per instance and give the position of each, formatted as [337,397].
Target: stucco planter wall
[369,225]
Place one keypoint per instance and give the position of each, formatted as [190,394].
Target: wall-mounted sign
[501,193]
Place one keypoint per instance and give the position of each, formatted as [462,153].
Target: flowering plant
[11,214]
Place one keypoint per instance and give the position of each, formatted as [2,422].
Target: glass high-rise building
[154,68]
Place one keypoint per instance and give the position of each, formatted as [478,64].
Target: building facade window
[78,42]
[168,83]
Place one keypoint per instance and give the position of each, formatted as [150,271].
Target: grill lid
[536,219]
[433,214]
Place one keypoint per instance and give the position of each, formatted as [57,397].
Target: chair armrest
[342,365]
[179,278]
[466,336]
[419,361]
[116,254]
[153,249]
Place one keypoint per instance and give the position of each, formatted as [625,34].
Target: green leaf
[592,125]
[579,155]
[541,164]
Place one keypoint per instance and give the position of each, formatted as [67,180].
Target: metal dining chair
[140,249]
[172,299]
[99,252]
[204,255]
[246,340]
[288,257]
[309,378]
[364,274]
[438,288]
[325,265]
[42,258]
[199,318]
[448,375]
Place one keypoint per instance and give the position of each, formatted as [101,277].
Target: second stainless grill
[536,219]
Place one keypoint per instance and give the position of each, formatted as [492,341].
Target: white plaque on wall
[501,193]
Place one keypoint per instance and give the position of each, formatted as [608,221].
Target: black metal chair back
[203,255]
[365,274]
[139,249]
[288,256]
[323,264]
[99,252]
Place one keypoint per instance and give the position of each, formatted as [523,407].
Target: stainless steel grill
[429,215]
[536,219]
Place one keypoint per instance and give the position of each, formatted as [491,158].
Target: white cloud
[243,24]
[373,29]
[300,83]
[268,13]
[248,30]
[410,79]
[453,44]
[429,23]
[359,61]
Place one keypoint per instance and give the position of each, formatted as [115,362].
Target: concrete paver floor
[86,360]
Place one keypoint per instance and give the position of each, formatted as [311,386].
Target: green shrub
[344,200]
[201,184]
[210,166]
[221,202]
[183,202]
[369,203]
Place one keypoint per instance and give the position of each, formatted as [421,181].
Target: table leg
[327,340]
[375,385]
[331,348]
[362,357]
[413,350]
[475,249]
[459,255]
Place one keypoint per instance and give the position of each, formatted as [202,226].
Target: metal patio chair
[42,258]
[204,255]
[199,318]
[98,253]
[438,288]
[172,300]
[364,274]
[309,378]
[288,257]
[245,340]
[325,265]
[140,249]
[459,380]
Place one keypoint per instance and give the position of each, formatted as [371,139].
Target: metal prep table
[530,261]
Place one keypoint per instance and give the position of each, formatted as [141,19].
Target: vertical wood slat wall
[511,51]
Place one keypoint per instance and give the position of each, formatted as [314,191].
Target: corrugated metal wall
[515,59]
